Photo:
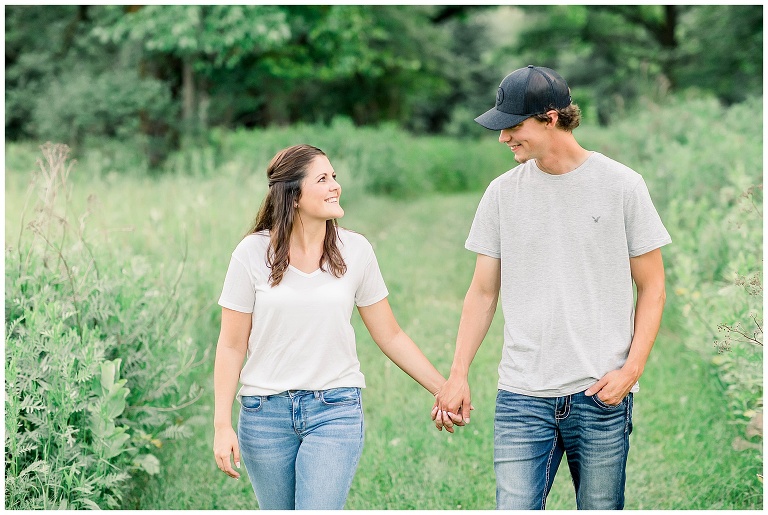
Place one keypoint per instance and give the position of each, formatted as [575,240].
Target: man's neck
[566,156]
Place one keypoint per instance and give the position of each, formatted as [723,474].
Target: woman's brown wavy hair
[277,213]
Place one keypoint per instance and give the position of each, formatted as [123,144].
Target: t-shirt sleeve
[484,237]
[239,291]
[645,231]
[371,288]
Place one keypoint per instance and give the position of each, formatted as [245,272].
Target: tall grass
[97,362]
[695,444]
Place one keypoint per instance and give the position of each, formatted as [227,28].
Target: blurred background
[136,144]
[166,72]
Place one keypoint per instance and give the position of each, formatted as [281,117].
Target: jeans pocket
[340,396]
[251,403]
[601,404]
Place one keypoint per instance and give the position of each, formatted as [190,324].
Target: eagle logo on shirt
[596,219]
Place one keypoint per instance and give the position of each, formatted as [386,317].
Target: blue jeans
[301,447]
[531,435]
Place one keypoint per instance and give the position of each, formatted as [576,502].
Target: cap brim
[497,120]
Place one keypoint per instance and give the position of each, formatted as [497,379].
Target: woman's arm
[230,353]
[398,346]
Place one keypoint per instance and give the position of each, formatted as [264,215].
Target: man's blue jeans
[301,447]
[531,435]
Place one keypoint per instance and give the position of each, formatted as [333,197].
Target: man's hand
[452,404]
[453,401]
[613,386]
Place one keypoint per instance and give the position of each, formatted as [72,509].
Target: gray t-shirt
[566,290]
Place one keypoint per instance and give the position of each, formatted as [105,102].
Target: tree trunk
[668,41]
[202,108]
[160,138]
[188,95]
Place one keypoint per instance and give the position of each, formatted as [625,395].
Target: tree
[200,40]
[617,53]
[165,71]
[31,57]
[63,85]
[721,50]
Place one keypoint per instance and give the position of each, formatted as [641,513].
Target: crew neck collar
[564,176]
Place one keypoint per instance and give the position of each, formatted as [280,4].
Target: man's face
[524,139]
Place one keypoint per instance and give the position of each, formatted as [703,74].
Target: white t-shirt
[565,242]
[301,337]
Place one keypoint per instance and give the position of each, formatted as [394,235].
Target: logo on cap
[499,97]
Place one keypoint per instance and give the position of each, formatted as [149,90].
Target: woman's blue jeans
[301,447]
[531,435]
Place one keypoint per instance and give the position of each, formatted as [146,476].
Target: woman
[286,304]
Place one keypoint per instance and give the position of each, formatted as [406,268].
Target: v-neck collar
[304,274]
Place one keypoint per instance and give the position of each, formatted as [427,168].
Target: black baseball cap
[524,93]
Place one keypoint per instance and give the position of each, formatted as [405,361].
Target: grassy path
[681,449]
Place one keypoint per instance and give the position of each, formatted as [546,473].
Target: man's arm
[476,317]
[648,274]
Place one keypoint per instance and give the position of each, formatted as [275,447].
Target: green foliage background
[168,73]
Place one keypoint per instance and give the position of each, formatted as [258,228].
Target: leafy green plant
[96,361]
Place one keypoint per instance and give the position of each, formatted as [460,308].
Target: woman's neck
[308,238]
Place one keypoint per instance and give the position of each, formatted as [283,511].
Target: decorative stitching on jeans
[606,407]
[549,464]
[252,409]
[626,418]
[567,408]
[627,413]
[351,400]
[297,416]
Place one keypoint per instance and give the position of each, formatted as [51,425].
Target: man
[561,238]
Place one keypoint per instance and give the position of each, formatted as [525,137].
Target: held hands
[224,447]
[452,404]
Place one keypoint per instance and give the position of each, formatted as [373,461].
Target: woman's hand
[451,401]
[224,447]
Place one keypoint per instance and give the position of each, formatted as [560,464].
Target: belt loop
[317,394]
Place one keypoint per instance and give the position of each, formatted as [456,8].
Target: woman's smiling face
[320,192]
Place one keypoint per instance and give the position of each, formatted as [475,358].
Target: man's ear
[553,117]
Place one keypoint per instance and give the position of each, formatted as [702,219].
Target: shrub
[383,160]
[80,104]
[96,361]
